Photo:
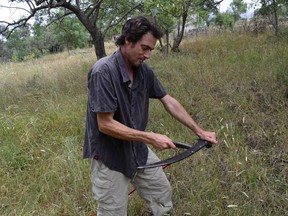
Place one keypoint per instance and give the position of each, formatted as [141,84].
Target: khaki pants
[110,189]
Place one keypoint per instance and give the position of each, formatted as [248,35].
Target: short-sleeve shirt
[111,90]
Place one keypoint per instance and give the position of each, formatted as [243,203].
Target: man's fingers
[172,145]
[167,145]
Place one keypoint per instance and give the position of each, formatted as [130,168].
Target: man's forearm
[113,128]
[117,130]
[180,114]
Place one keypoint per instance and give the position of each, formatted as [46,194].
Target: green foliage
[18,43]
[268,6]
[225,19]
[173,16]
[238,7]
[228,19]
[34,41]
[203,18]
[71,33]
[273,11]
[101,20]
[163,12]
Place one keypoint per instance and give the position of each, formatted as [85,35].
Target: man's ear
[127,40]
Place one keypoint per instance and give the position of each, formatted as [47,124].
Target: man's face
[138,52]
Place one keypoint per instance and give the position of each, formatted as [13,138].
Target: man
[119,88]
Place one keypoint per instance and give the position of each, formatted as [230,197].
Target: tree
[228,18]
[71,33]
[203,17]
[39,35]
[185,7]
[173,14]
[35,40]
[225,19]
[161,12]
[4,52]
[97,16]
[238,7]
[272,9]
[18,43]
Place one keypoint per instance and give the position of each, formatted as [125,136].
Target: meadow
[236,85]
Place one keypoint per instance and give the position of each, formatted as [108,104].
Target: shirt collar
[123,70]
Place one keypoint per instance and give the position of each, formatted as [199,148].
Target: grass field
[235,85]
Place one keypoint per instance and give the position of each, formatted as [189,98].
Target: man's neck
[127,64]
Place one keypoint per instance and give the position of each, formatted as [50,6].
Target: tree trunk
[275,18]
[161,44]
[167,41]
[98,42]
[179,36]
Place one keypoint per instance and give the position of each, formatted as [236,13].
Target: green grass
[237,86]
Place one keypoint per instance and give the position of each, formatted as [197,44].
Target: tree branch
[125,15]
[95,6]
[16,8]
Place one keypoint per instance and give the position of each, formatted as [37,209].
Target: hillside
[237,86]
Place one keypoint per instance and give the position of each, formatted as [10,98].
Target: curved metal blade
[182,145]
[190,151]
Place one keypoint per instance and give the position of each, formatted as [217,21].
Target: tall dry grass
[236,86]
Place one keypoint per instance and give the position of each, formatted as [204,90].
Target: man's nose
[147,54]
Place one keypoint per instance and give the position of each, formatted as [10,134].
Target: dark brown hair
[136,27]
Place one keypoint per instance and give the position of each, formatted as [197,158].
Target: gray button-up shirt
[110,90]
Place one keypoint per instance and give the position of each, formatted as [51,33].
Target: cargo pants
[110,188]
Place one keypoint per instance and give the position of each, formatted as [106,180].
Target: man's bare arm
[113,128]
[179,113]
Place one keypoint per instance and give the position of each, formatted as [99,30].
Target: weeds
[236,86]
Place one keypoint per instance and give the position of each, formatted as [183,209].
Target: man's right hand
[160,141]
